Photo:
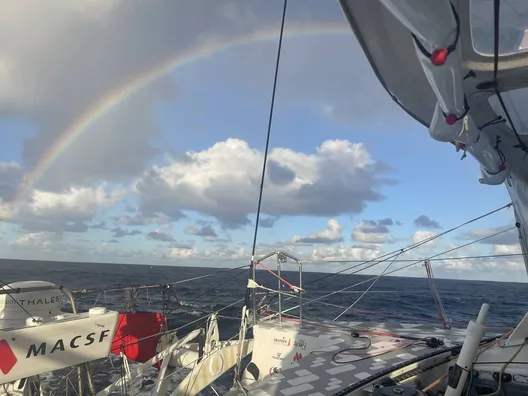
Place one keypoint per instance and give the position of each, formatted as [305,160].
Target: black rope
[501,156]
[497,120]
[451,48]
[496,35]
[470,74]
[266,149]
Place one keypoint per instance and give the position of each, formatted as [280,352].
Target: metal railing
[281,258]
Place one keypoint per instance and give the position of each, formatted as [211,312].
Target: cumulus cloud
[352,253]
[34,244]
[205,231]
[372,231]
[426,248]
[67,211]
[331,234]
[223,181]
[65,61]
[422,235]
[120,232]
[268,222]
[77,203]
[160,236]
[510,237]
[48,80]
[57,88]
[426,222]
[512,263]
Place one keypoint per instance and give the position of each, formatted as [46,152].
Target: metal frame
[281,259]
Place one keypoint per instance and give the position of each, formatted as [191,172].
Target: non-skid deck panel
[317,375]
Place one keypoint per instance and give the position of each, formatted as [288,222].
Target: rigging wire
[366,291]
[306,302]
[485,256]
[396,253]
[266,149]
[243,323]
[153,286]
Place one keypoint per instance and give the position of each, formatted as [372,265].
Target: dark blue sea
[391,299]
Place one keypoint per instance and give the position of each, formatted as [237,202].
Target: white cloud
[353,253]
[422,235]
[79,202]
[58,212]
[331,234]
[62,61]
[39,240]
[371,231]
[36,245]
[510,237]
[427,248]
[506,249]
[222,181]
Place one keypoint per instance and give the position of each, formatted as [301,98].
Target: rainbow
[121,94]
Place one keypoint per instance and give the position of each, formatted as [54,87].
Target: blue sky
[170,176]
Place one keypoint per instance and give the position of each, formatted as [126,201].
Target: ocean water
[391,299]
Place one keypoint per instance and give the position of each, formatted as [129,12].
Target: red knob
[439,57]
[450,119]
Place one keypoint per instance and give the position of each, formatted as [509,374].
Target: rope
[436,295]
[277,276]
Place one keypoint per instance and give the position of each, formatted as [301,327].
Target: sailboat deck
[349,362]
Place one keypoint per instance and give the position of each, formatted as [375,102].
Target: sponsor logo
[297,357]
[7,357]
[34,301]
[282,341]
[278,356]
[274,370]
[300,344]
[61,345]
